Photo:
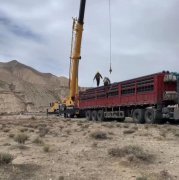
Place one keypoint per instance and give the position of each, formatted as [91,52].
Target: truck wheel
[138,116]
[152,116]
[94,115]
[100,115]
[88,115]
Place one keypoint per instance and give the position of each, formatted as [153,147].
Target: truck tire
[94,115]
[152,116]
[100,115]
[138,116]
[88,115]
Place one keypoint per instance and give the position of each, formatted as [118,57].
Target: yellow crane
[70,101]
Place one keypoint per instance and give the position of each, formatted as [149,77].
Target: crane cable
[110,37]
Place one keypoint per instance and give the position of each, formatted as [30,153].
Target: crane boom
[76,54]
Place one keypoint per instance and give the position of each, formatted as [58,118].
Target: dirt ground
[75,149]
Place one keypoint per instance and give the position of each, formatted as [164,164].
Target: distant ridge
[28,89]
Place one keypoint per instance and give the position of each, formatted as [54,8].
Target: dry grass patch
[22,147]
[6,130]
[21,138]
[38,141]
[46,148]
[129,131]
[23,130]
[163,133]
[99,135]
[125,126]
[108,125]
[11,135]
[5,158]
[43,131]
[142,178]
[132,152]
[162,175]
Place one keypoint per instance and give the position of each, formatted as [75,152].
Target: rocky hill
[24,89]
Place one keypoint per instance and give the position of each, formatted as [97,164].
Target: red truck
[148,99]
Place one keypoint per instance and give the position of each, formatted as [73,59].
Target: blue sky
[144,36]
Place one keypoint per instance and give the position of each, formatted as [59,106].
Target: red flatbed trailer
[150,99]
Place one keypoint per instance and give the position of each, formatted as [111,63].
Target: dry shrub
[61,178]
[43,131]
[164,175]
[95,144]
[145,134]
[132,152]
[130,131]
[6,144]
[163,133]
[68,131]
[22,147]
[85,126]
[125,126]
[6,130]
[5,158]
[11,135]
[31,130]
[176,132]
[23,130]
[21,138]
[146,126]
[38,141]
[135,128]
[100,135]
[118,125]
[142,178]
[108,125]
[46,148]
[33,118]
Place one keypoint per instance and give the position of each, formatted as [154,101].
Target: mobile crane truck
[70,102]
[149,99]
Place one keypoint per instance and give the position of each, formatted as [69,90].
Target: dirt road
[57,149]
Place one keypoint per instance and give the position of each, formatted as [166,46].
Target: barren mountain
[24,89]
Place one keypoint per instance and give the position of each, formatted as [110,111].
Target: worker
[97,77]
[106,81]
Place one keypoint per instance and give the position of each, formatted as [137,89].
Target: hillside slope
[24,89]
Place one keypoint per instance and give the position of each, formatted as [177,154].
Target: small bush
[46,148]
[33,118]
[99,135]
[132,152]
[164,175]
[163,134]
[5,158]
[11,135]
[23,130]
[135,128]
[22,147]
[142,178]
[125,126]
[43,131]
[38,141]
[21,138]
[6,130]
[130,131]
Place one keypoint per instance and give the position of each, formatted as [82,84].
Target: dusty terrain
[59,148]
